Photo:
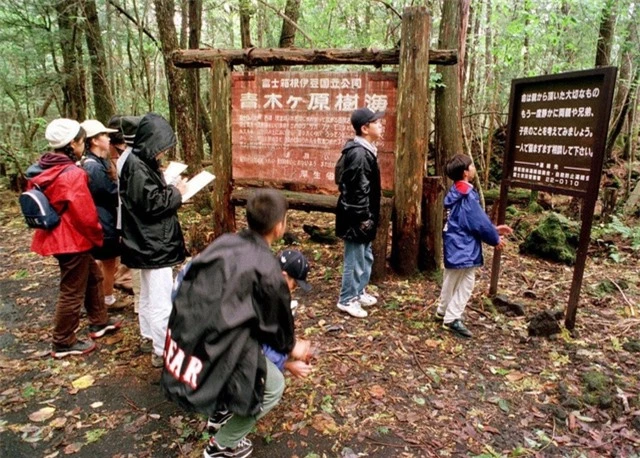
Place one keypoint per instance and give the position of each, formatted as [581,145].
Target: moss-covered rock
[598,389]
[554,238]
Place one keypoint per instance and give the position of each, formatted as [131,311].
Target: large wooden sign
[556,131]
[556,137]
[290,127]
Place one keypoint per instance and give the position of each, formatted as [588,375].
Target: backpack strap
[42,188]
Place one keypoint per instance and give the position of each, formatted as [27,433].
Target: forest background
[95,58]
[395,384]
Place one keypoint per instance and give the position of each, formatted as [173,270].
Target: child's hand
[503,229]
[298,369]
[182,185]
[501,244]
[301,350]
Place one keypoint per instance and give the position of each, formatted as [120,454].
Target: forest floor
[392,385]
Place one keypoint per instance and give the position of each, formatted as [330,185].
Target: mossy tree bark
[412,134]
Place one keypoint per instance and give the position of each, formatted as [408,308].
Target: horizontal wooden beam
[263,57]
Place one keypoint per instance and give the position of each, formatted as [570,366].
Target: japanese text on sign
[554,132]
[291,126]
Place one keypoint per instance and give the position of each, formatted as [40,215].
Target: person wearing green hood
[152,239]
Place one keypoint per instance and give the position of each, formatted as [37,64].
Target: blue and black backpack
[37,210]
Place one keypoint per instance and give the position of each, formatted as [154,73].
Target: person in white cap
[104,190]
[70,242]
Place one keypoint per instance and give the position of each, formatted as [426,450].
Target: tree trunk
[74,104]
[193,79]
[448,119]
[618,123]
[623,99]
[165,10]
[525,44]
[288,33]
[224,216]
[605,35]
[245,24]
[104,104]
[491,85]
[472,84]
[412,134]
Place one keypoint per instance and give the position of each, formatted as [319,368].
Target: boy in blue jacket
[466,227]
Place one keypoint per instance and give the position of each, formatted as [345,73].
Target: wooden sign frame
[556,137]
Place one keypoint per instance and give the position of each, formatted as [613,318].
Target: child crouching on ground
[295,268]
[466,227]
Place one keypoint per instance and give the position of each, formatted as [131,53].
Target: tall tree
[605,35]
[178,100]
[245,23]
[104,105]
[448,116]
[288,33]
[73,78]
[193,77]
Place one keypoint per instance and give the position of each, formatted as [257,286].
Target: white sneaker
[353,308]
[367,299]
[110,300]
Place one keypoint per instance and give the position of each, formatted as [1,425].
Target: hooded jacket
[358,179]
[465,228]
[151,233]
[68,193]
[232,298]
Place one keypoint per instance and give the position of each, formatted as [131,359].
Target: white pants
[155,305]
[457,286]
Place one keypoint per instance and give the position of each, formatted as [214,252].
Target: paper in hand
[173,171]
[196,183]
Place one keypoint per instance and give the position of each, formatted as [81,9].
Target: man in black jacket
[152,239]
[358,211]
[232,298]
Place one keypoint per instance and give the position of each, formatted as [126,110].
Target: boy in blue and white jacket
[466,227]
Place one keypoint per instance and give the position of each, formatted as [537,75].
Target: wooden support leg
[381,242]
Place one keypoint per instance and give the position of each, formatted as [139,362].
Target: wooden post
[431,245]
[381,242]
[412,134]
[223,211]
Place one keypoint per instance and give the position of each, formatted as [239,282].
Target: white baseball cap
[60,132]
[94,127]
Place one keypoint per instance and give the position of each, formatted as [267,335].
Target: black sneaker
[81,347]
[217,421]
[438,317]
[98,330]
[458,328]
[242,450]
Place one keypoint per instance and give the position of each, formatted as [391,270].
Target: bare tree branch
[389,6]
[132,19]
[286,18]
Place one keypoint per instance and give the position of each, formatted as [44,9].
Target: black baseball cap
[296,266]
[363,116]
[126,127]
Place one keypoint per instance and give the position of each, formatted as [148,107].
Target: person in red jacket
[66,187]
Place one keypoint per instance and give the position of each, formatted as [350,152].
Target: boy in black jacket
[232,299]
[358,210]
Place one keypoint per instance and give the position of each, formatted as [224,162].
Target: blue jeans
[358,259]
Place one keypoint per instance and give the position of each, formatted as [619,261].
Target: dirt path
[394,384]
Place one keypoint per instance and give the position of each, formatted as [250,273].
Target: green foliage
[617,228]
[94,435]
